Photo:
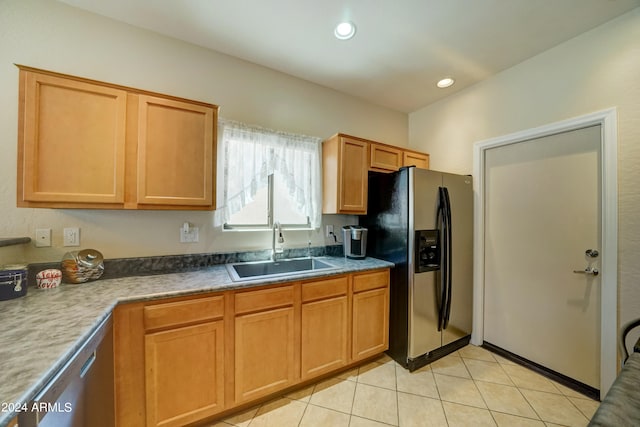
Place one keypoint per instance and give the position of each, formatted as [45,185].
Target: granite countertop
[42,330]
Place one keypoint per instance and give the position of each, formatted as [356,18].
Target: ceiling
[401,48]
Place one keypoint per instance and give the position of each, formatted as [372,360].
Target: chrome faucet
[274,251]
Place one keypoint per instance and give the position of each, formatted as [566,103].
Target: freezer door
[424,288]
[461,196]
[423,314]
[425,199]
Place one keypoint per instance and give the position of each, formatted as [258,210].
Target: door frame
[607,119]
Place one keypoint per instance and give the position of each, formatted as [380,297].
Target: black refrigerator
[422,221]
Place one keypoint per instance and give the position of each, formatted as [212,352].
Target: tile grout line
[478,389]
[369,385]
[578,408]
[532,407]
[562,395]
[465,363]
[395,376]
[353,399]
[306,406]
[518,416]
[559,393]
[446,419]
[514,385]
[519,392]
[435,383]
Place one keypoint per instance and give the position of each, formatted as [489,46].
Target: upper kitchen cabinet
[71,141]
[344,182]
[413,158]
[346,161]
[385,158]
[88,144]
[175,152]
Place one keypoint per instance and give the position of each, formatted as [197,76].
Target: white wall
[53,36]
[594,71]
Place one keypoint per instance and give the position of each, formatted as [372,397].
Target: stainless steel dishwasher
[81,393]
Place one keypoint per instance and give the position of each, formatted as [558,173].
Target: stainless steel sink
[263,269]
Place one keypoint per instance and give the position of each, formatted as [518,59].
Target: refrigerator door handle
[441,225]
[447,306]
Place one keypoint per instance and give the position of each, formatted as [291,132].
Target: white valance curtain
[251,153]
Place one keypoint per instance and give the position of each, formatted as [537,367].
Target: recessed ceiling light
[446,82]
[345,30]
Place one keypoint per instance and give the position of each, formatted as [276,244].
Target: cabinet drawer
[324,289]
[183,312]
[263,299]
[373,280]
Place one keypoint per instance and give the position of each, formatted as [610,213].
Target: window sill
[269,229]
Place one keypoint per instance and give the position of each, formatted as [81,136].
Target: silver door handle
[588,270]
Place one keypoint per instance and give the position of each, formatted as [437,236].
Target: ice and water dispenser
[427,244]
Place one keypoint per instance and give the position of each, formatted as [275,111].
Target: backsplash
[145,266]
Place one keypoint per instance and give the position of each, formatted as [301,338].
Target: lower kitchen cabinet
[265,342]
[169,361]
[325,326]
[370,321]
[184,360]
[264,353]
[184,374]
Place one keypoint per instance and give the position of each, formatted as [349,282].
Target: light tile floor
[470,387]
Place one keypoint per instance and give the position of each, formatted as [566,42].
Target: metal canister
[13,281]
[82,266]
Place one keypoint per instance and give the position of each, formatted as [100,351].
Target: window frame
[270,216]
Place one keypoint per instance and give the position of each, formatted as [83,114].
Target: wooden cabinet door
[415,159]
[345,162]
[324,336]
[370,323]
[353,176]
[176,148]
[385,158]
[184,374]
[264,353]
[72,137]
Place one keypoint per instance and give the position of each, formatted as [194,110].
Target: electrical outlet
[43,237]
[328,230]
[189,236]
[71,236]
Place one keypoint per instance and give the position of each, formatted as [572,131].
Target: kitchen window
[267,176]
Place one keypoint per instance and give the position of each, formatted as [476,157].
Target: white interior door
[542,213]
